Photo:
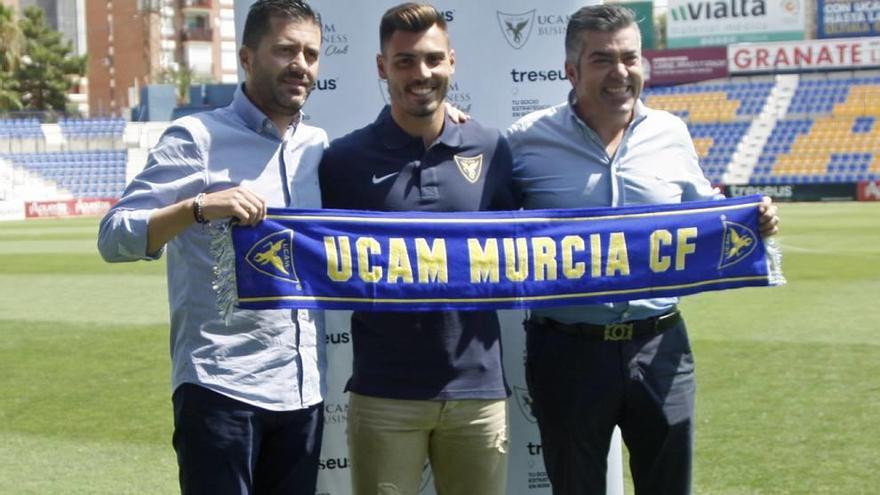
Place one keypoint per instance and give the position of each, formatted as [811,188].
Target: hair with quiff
[410,17]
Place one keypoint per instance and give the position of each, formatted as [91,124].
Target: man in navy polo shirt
[425,385]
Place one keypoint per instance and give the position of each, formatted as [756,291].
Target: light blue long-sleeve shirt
[272,359]
[560,162]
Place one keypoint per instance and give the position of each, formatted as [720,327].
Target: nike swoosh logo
[378,180]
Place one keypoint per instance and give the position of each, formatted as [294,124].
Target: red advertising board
[83,207]
[684,65]
[869,190]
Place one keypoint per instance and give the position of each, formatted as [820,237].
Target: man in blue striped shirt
[247,393]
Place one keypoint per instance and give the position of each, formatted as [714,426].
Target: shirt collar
[394,137]
[253,117]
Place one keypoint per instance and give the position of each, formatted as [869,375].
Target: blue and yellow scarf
[412,261]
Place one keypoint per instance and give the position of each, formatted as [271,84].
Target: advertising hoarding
[684,65]
[83,207]
[645,18]
[795,56]
[869,190]
[722,22]
[847,18]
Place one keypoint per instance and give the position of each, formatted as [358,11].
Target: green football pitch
[788,378]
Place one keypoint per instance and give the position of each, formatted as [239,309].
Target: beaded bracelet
[197,207]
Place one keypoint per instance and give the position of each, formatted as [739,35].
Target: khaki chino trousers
[390,440]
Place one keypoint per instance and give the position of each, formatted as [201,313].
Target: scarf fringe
[774,261]
[224,283]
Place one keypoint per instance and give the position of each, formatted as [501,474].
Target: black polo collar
[394,137]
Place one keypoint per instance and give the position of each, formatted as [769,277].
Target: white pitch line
[789,247]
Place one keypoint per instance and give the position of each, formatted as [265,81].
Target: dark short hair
[604,18]
[410,17]
[261,12]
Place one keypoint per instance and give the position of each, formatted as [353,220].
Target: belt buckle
[615,332]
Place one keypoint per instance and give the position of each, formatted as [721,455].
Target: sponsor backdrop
[509,62]
[846,18]
[721,22]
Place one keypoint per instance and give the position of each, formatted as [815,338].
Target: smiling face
[607,78]
[282,70]
[418,67]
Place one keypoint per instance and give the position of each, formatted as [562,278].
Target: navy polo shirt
[422,355]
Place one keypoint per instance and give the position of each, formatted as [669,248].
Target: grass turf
[788,395]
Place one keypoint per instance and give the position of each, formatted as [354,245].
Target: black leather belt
[612,332]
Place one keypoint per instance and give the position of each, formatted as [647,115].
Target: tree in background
[182,77]
[47,68]
[10,40]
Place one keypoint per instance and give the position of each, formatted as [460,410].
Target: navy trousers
[225,446]
[582,386]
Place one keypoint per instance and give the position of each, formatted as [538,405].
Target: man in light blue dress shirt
[247,393]
[591,368]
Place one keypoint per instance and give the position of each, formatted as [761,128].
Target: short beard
[293,107]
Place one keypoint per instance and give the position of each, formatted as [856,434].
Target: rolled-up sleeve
[175,170]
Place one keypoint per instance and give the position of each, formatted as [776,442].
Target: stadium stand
[73,159]
[718,115]
[20,128]
[727,101]
[826,130]
[82,174]
[830,134]
[92,128]
[92,134]
[21,135]
[715,144]
[784,129]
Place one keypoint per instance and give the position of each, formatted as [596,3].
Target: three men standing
[425,386]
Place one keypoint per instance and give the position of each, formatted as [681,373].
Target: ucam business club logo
[335,413]
[459,97]
[334,41]
[518,28]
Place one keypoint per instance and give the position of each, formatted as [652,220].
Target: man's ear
[452,60]
[380,66]
[244,58]
[571,73]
